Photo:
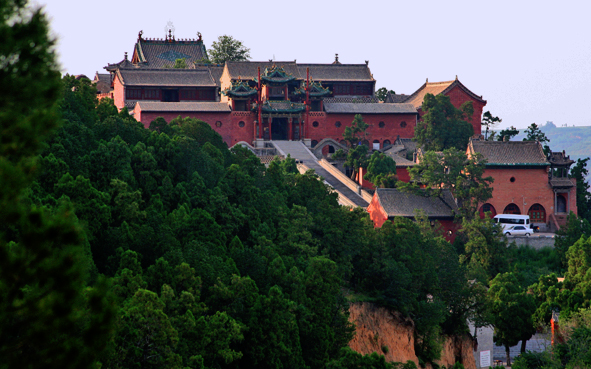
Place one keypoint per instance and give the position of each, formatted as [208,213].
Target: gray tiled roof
[102,82]
[363,108]
[337,72]
[125,63]
[395,98]
[200,77]
[408,143]
[561,183]
[510,152]
[352,99]
[162,54]
[400,161]
[183,106]
[249,70]
[318,72]
[216,73]
[130,104]
[403,204]
[559,158]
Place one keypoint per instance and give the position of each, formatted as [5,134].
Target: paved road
[297,150]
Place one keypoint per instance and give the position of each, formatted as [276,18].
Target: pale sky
[528,59]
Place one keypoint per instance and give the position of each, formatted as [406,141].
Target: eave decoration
[275,75]
[316,89]
[240,90]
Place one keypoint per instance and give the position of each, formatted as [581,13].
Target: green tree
[227,48]
[580,172]
[356,132]
[145,337]
[357,153]
[534,133]
[454,171]
[484,248]
[382,93]
[566,236]
[507,134]
[443,126]
[381,170]
[488,120]
[180,64]
[511,312]
[47,318]
[356,158]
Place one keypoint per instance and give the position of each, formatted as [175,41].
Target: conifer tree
[47,318]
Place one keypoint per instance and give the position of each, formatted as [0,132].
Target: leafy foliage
[507,134]
[512,311]
[489,121]
[580,173]
[454,171]
[382,93]
[381,170]
[48,315]
[227,48]
[443,126]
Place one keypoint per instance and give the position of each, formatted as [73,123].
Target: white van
[509,220]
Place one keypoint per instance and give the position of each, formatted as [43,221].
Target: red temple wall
[230,129]
[457,97]
[530,187]
[402,174]
[376,213]
[118,94]
[392,126]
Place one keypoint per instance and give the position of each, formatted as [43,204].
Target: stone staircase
[298,151]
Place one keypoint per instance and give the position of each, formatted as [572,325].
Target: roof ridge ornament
[199,36]
[169,32]
[336,59]
[139,35]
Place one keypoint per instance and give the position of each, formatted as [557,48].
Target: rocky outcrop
[392,335]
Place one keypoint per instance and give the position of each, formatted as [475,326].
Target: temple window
[133,93]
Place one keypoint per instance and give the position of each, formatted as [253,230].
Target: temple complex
[254,102]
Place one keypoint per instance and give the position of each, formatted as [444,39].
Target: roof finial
[170,28]
[139,35]
[427,79]
[336,59]
[199,36]
[126,55]
[367,62]
[456,77]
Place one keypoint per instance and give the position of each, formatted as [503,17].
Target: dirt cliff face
[390,334]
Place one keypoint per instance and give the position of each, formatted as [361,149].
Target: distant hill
[575,141]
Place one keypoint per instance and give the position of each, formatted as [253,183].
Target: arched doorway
[487,208]
[560,203]
[376,144]
[537,214]
[512,209]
